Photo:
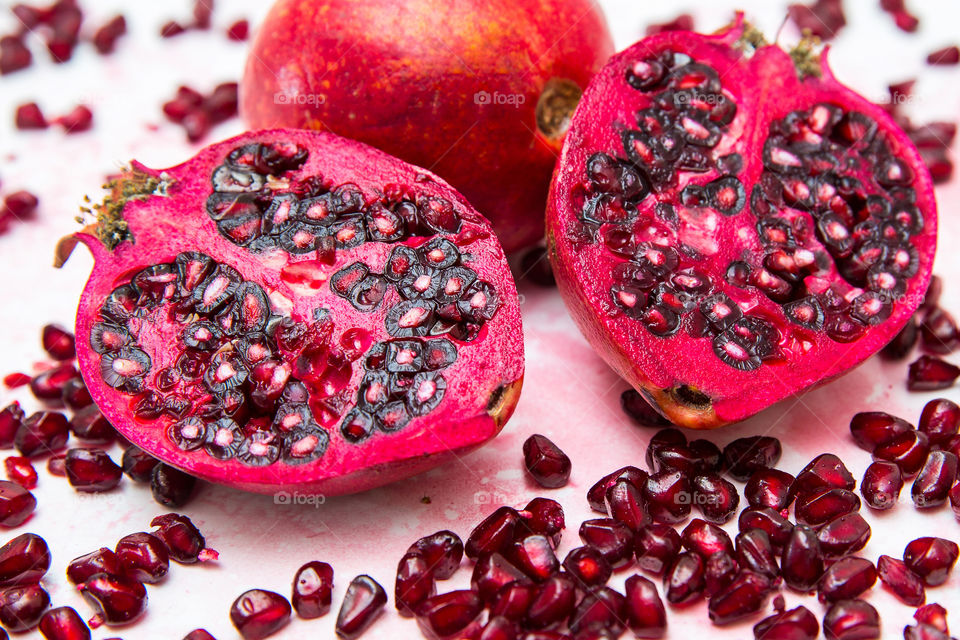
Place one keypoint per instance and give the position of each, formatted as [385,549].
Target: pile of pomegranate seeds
[198,113]
[823,19]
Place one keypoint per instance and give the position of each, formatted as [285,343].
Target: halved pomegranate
[729,224]
[296,309]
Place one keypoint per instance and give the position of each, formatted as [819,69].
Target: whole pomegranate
[478,91]
[730,225]
[290,308]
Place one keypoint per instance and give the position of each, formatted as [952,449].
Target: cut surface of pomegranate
[728,227]
[336,320]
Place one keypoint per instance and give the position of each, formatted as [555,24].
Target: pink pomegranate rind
[329,346]
[487,110]
[712,295]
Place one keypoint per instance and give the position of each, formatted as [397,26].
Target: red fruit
[313,590]
[63,623]
[105,38]
[11,417]
[846,579]
[933,615]
[78,120]
[744,456]
[657,545]
[706,539]
[449,613]
[904,342]
[185,101]
[601,608]
[199,634]
[596,496]
[881,485]
[22,607]
[102,560]
[58,342]
[901,17]
[795,624]
[49,385]
[940,420]
[547,465]
[899,579]
[801,561]
[844,535]
[14,55]
[928,373]
[90,425]
[92,470]
[143,557]
[589,567]
[138,464]
[823,19]
[202,13]
[492,132]
[239,31]
[29,117]
[746,258]
[499,628]
[719,573]
[494,534]
[823,505]
[23,560]
[513,600]
[646,616]
[935,479]
[171,29]
[946,56]
[184,542]
[534,556]
[491,573]
[221,104]
[117,600]
[612,539]
[745,596]
[362,604]
[777,527]
[684,582]
[21,471]
[755,553]
[16,380]
[939,333]
[626,504]
[873,428]
[640,410]
[716,498]
[769,488]
[669,495]
[170,486]
[258,613]
[908,451]
[329,402]
[541,515]
[824,471]
[850,620]
[443,551]
[16,504]
[75,395]
[932,559]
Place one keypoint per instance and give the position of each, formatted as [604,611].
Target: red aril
[898,578]
[873,428]
[443,551]
[656,547]
[21,608]
[936,477]
[23,560]
[118,600]
[846,579]
[20,470]
[449,613]
[545,462]
[646,616]
[769,488]
[684,582]
[908,451]
[16,504]
[851,619]
[929,373]
[541,515]
[415,583]
[91,470]
[258,613]
[143,557]
[940,420]
[801,561]
[553,603]
[932,559]
[362,604]
[589,567]
[63,623]
[881,485]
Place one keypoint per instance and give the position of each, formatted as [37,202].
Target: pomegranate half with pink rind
[293,309]
[729,225]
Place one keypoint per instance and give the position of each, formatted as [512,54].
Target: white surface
[569,393]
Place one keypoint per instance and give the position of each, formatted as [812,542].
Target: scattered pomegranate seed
[904,20]
[846,579]
[105,38]
[683,22]
[171,29]
[239,31]
[312,590]
[14,55]
[745,596]
[744,456]
[443,550]
[414,584]
[117,599]
[588,565]
[58,342]
[43,432]
[185,544]
[222,103]
[29,117]
[24,560]
[720,572]
[21,471]
[873,428]
[258,613]
[612,539]
[602,608]
[935,479]
[769,488]
[16,504]
[684,582]
[634,405]
[15,380]
[89,424]
[929,373]
[143,556]
[795,624]
[820,506]
[933,615]
[881,485]
[656,547]
[939,333]
[844,535]
[49,385]
[11,417]
[931,559]
[101,561]
[908,451]
[199,634]
[801,561]
[76,396]
[850,619]
[823,19]
[171,487]
[78,120]
[203,13]
[92,470]
[138,464]
[706,538]
[22,607]
[546,464]
[940,420]
[197,125]
[362,605]
[900,580]
[946,56]
[63,623]
[20,204]
[449,613]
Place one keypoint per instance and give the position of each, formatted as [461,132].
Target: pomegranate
[722,251]
[118,600]
[22,607]
[257,613]
[16,504]
[24,560]
[487,110]
[63,623]
[362,605]
[313,590]
[336,320]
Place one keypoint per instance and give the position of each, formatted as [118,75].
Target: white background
[569,393]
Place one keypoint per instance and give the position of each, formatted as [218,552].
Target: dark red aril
[588,565]
[11,417]
[138,464]
[771,522]
[89,424]
[706,538]
[769,488]
[646,616]
[936,477]
[716,498]
[851,619]
[908,451]
[513,600]
[257,613]
[91,470]
[881,485]
[820,506]
[543,516]
[23,560]
[940,420]
[932,559]
[744,456]
[546,464]
[118,600]
[183,540]
[414,583]
[143,557]
[596,496]
[63,623]
[684,581]
[534,556]
[495,533]
[640,410]
[939,333]
[199,634]
[669,495]
[57,465]
[106,36]
[824,471]
[612,539]
[670,437]
[720,572]
[795,624]
[443,552]
[42,433]
[801,561]
[22,607]
[657,545]
[872,428]
[499,628]
[929,373]
[898,578]
[626,504]
[16,504]
[491,573]
[755,553]
[844,535]
[29,116]
[21,470]
[76,396]
[58,342]
[171,487]
[362,604]
[103,560]
[601,608]
[847,578]
[553,602]
[903,343]
[48,386]
[745,596]
[932,615]
[449,613]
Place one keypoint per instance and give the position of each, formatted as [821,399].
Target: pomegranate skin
[468,110]
[473,409]
[682,374]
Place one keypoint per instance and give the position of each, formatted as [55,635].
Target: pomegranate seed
[494,534]
[824,471]
[640,410]
[414,583]
[49,384]
[908,451]
[931,558]
[16,504]
[197,125]
[499,628]
[449,613]
[90,425]
[744,456]
[903,343]
[23,560]
[105,38]
[29,117]
[935,479]
[823,19]
[820,506]
[184,542]
[16,380]
[11,417]
[881,485]
[443,552]
[668,495]
[258,613]
[755,553]
[844,535]
[535,267]
[801,561]
[932,615]
[945,56]
[546,464]
[771,522]
[588,566]
[612,539]
[143,557]
[716,498]
[904,584]
[20,470]
[57,465]
[492,572]
[795,624]
[674,457]
[706,538]
[940,420]
[76,396]
[185,101]
[171,487]
[102,560]
[554,601]
[939,333]
[929,373]
[199,634]
[656,546]
[14,55]
[720,571]
[543,516]
[239,31]
[171,29]
[63,623]
[923,632]
[92,470]
[602,608]
[202,13]
[138,464]
[626,504]
[20,204]
[513,601]
[846,579]
[79,119]
[955,500]
[221,104]
[684,581]
[534,556]
[769,488]
[22,607]
[873,428]
[851,619]
[362,604]
[58,342]
[596,497]
[646,616]
[745,596]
